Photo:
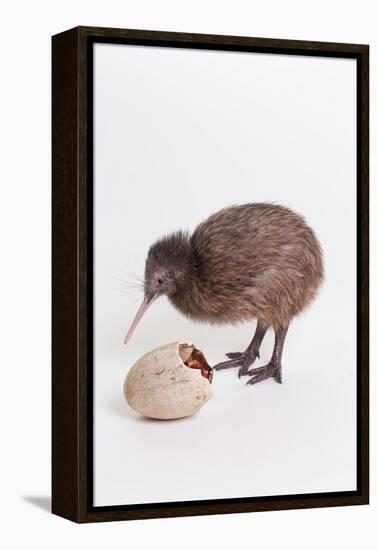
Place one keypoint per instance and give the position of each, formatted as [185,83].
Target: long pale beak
[141,311]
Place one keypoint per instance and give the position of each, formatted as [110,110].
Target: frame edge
[363,175]
[65,433]
[69,244]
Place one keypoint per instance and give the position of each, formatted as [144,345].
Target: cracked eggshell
[159,385]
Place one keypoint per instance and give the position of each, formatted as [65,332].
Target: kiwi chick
[255,261]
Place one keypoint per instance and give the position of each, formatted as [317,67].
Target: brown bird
[254,261]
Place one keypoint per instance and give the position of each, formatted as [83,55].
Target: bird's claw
[263,373]
[244,360]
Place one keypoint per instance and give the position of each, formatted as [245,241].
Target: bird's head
[169,264]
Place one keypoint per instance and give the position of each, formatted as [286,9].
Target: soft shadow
[43,503]
[121,408]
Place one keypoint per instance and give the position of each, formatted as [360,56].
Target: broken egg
[169,382]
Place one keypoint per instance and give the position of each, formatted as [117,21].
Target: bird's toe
[256,379]
[271,370]
[243,360]
[234,354]
[227,364]
[258,370]
[243,369]
[248,360]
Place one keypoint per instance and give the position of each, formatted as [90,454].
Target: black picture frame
[72,272]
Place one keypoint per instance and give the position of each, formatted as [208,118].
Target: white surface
[180,134]
[25,278]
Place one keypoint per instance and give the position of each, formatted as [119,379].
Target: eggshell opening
[195,359]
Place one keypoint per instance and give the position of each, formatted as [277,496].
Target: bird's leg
[273,368]
[245,359]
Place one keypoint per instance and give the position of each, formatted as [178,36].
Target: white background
[25,288]
[180,134]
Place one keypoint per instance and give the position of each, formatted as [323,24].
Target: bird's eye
[170,273]
[160,281]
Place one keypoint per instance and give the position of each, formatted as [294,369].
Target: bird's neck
[193,298]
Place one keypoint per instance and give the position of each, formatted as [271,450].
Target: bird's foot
[244,360]
[270,370]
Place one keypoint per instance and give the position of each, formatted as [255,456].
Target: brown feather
[252,261]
